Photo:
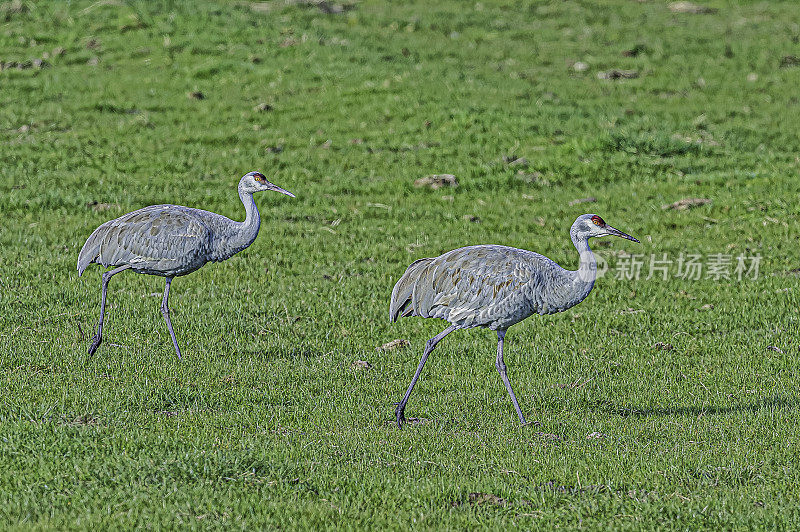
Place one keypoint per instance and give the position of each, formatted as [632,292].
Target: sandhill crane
[495,287]
[171,240]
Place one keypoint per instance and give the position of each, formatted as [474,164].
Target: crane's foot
[98,339]
[400,416]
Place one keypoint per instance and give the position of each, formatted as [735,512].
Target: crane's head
[256,182]
[591,225]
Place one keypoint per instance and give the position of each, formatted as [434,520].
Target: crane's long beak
[276,188]
[617,232]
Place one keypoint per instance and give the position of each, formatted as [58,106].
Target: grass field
[106,107]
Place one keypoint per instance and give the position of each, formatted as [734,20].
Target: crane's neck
[583,278]
[244,233]
[248,230]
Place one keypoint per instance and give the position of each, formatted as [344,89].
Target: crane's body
[166,240]
[170,241]
[487,286]
[495,287]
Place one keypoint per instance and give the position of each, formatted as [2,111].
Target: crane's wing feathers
[475,286]
[404,289]
[162,238]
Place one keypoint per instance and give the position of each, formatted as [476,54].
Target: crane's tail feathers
[402,294]
[425,293]
[84,262]
[90,252]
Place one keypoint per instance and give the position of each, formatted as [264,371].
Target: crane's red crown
[259,177]
[596,220]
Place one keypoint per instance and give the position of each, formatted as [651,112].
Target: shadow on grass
[771,403]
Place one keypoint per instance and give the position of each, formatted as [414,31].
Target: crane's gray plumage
[495,287]
[170,241]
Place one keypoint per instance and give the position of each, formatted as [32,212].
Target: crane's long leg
[429,346]
[99,337]
[501,367]
[165,313]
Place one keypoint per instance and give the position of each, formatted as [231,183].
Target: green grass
[265,423]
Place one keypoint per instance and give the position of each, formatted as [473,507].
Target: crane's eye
[259,177]
[596,220]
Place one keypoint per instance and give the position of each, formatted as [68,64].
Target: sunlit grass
[267,422]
